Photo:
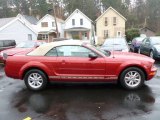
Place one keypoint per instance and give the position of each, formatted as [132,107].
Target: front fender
[34,64]
[128,64]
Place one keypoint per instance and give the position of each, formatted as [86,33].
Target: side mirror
[92,56]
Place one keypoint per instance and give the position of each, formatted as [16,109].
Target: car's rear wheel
[35,80]
[132,78]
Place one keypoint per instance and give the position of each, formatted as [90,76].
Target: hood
[13,51]
[115,47]
[131,56]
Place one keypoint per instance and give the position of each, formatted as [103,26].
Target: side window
[7,43]
[143,42]
[52,52]
[73,51]
[13,42]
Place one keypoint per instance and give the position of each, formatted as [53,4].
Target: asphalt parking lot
[79,102]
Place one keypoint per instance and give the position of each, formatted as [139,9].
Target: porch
[77,33]
[47,36]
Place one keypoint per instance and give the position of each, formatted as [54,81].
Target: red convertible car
[75,61]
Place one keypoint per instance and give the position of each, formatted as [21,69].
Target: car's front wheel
[132,78]
[35,80]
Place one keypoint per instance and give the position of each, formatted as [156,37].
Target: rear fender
[34,64]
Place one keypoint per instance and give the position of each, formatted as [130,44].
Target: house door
[84,36]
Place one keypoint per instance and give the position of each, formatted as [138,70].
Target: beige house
[110,24]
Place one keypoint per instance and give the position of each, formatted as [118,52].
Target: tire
[134,50]
[35,80]
[130,50]
[133,82]
[139,50]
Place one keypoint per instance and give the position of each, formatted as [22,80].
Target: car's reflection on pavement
[82,102]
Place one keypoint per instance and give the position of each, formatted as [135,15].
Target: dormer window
[73,22]
[114,21]
[44,24]
[81,21]
[106,21]
[53,24]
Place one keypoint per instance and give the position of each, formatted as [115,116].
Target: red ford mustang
[74,61]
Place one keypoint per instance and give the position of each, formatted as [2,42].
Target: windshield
[106,53]
[114,41]
[139,39]
[26,45]
[155,40]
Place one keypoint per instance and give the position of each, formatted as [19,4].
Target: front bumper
[152,73]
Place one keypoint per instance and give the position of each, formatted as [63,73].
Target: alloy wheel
[35,80]
[132,79]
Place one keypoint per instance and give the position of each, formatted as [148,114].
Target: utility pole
[54,12]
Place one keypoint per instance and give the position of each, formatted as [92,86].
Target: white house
[78,26]
[46,28]
[16,29]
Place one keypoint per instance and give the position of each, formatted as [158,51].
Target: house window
[44,24]
[106,34]
[81,21]
[44,36]
[29,36]
[119,34]
[114,21]
[73,21]
[53,24]
[106,21]
[85,34]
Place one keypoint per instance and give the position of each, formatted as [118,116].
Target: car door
[74,62]
[143,46]
[147,46]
